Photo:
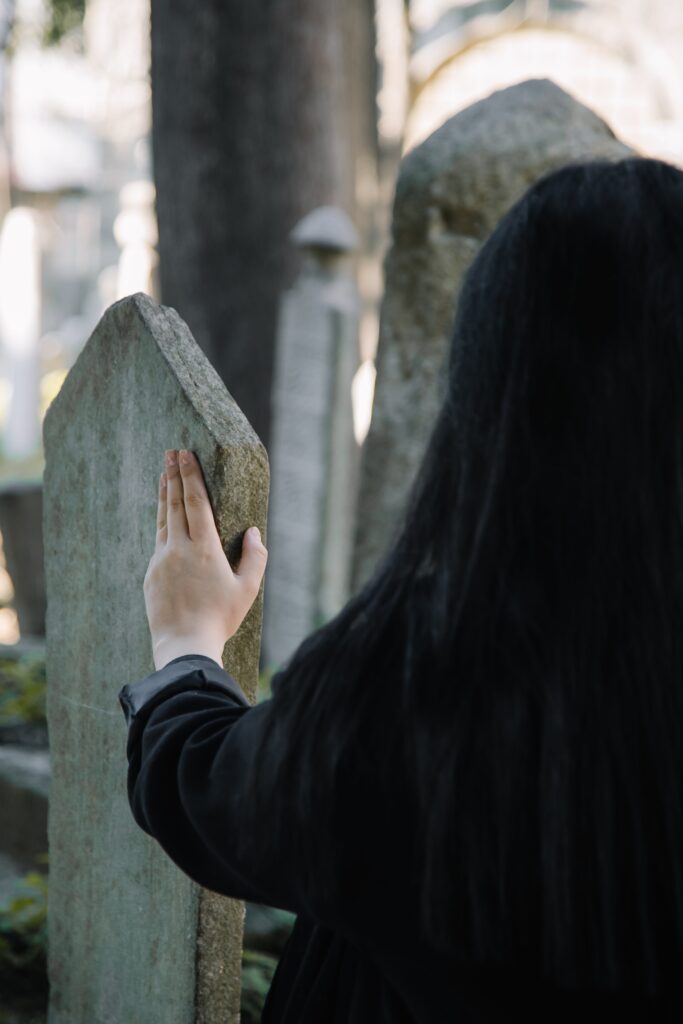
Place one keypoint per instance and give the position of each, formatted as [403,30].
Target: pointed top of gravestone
[327,228]
[146,339]
[451,192]
[464,176]
[137,342]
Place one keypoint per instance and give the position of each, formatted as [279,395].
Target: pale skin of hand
[194,600]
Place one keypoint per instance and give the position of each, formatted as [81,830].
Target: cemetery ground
[23,844]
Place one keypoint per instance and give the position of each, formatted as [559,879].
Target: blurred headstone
[451,192]
[20,329]
[131,937]
[314,451]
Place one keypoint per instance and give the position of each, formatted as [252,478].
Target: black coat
[191,735]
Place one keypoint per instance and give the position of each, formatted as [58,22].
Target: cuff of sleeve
[188,672]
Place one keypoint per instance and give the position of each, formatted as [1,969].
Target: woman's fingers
[161,510]
[176,521]
[252,563]
[198,512]
[185,513]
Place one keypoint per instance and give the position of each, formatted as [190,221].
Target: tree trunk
[252,128]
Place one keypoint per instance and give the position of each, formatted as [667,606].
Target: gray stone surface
[451,192]
[28,769]
[131,938]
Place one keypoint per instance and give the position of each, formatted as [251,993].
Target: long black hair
[522,640]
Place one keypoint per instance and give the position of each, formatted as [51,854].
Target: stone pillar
[451,192]
[131,938]
[314,451]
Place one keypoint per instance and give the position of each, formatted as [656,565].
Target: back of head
[524,634]
[565,556]
[566,371]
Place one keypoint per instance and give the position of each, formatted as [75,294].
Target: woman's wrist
[174,647]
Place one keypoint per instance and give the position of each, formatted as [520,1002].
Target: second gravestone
[131,938]
[451,192]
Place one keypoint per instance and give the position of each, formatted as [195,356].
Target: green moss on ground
[23,951]
[22,690]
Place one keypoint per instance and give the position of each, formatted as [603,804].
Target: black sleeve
[191,736]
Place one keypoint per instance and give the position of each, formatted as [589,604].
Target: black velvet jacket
[191,735]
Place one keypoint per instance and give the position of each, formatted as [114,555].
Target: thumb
[253,561]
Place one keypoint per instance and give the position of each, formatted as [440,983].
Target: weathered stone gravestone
[314,452]
[131,938]
[452,190]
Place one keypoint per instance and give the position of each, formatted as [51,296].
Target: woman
[469,785]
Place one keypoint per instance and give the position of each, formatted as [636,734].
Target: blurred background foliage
[63,17]
[22,690]
[23,950]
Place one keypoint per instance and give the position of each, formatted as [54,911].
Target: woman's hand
[194,600]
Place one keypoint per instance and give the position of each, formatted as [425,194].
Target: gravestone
[451,192]
[314,452]
[131,938]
